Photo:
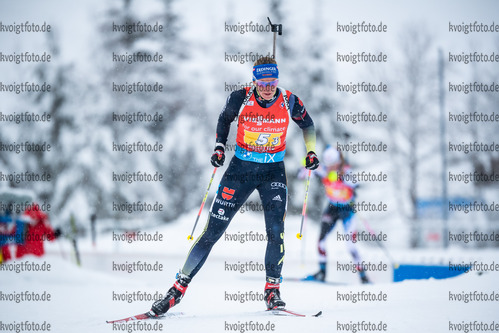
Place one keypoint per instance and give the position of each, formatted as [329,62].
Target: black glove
[57,233]
[311,162]
[218,157]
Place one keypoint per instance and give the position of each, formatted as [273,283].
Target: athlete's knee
[353,251]
[275,233]
[216,227]
[326,218]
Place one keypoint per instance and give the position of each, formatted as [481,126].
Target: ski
[151,315]
[143,316]
[286,312]
[308,279]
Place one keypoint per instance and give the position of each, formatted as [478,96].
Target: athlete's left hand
[311,161]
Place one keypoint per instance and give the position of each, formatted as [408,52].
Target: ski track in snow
[82,297]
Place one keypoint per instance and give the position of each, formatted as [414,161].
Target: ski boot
[173,296]
[272,295]
[363,277]
[319,276]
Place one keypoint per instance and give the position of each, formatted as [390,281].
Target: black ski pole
[74,232]
[394,263]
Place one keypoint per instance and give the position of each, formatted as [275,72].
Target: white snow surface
[82,297]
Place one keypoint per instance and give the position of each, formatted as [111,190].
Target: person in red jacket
[39,230]
[12,231]
[5,232]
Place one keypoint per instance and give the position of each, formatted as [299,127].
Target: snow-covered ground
[83,298]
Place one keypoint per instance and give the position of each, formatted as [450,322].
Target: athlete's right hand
[218,157]
[311,161]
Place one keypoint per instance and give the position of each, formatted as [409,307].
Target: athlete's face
[266,87]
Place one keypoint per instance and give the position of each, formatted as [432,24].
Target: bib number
[262,139]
